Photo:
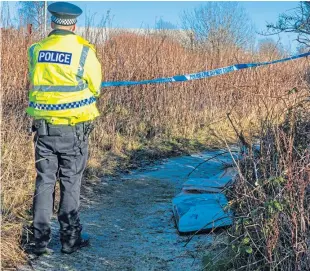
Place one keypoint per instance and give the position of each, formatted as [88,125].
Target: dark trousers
[62,152]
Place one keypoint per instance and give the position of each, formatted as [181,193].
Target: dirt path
[131,226]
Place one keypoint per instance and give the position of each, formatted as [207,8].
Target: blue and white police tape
[200,75]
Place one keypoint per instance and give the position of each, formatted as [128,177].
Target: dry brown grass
[17,179]
[132,116]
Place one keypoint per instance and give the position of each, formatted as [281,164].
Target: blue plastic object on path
[199,212]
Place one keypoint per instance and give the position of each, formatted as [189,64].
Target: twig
[206,160]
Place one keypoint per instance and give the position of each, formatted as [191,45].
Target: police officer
[65,79]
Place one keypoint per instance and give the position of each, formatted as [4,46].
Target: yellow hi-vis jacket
[65,77]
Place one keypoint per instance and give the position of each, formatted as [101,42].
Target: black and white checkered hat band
[63,21]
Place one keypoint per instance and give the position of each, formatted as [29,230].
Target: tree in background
[270,48]
[297,21]
[218,25]
[32,13]
[162,24]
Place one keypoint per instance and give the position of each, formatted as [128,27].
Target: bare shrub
[271,198]
[217,25]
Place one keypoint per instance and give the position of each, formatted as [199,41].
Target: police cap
[64,13]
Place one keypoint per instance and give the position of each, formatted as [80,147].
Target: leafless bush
[271,198]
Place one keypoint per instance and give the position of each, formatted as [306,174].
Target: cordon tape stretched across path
[200,75]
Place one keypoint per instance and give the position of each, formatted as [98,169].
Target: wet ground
[131,224]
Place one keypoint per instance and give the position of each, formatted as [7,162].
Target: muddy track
[131,227]
[131,224]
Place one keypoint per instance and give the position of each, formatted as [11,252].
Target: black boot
[73,244]
[41,240]
[40,248]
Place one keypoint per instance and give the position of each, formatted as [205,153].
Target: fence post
[29,29]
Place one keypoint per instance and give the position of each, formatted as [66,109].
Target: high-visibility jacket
[65,77]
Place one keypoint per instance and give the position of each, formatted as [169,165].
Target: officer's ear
[74,27]
[52,25]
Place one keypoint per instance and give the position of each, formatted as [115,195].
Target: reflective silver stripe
[82,62]
[31,50]
[43,88]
